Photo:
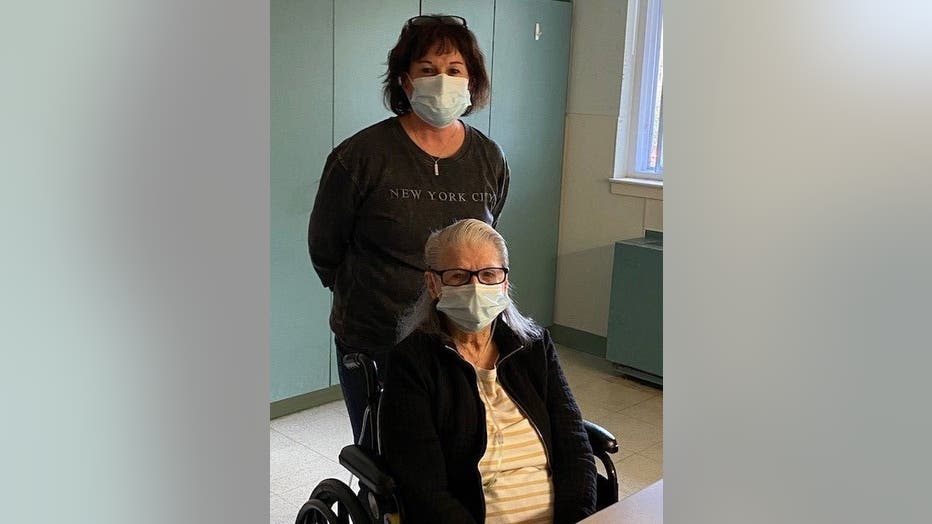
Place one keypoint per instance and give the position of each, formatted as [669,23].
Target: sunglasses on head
[431,19]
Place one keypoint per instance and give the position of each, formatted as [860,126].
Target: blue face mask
[440,99]
[472,307]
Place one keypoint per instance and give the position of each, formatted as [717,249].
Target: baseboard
[290,405]
[578,340]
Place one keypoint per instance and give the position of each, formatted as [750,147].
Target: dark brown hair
[418,40]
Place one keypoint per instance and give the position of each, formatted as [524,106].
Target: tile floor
[303,447]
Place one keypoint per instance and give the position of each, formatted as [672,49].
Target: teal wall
[301,110]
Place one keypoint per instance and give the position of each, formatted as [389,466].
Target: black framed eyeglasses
[433,19]
[460,277]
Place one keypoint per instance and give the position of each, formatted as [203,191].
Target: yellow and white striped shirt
[515,478]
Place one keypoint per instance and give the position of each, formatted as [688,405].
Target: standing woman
[386,188]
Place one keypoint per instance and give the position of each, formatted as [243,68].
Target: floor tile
[296,489]
[291,460]
[281,511]
[580,359]
[581,368]
[608,395]
[278,441]
[325,429]
[654,453]
[307,477]
[633,435]
[636,473]
[650,411]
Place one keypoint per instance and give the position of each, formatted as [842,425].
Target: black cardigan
[433,429]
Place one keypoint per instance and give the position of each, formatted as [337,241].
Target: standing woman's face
[433,63]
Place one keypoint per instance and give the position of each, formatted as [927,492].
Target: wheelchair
[333,502]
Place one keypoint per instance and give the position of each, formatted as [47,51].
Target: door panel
[365,31]
[527,120]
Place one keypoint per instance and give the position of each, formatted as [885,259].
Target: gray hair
[423,315]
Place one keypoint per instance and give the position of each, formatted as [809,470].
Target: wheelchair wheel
[316,512]
[334,493]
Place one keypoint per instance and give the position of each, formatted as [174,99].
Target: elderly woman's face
[472,257]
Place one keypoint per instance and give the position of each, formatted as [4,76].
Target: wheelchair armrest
[603,443]
[369,468]
[600,439]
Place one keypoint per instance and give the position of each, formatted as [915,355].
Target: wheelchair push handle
[362,363]
[355,361]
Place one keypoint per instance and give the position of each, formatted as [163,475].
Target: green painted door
[365,30]
[529,73]
[479,15]
[301,76]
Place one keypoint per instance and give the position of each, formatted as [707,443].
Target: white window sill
[638,187]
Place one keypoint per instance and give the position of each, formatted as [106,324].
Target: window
[639,142]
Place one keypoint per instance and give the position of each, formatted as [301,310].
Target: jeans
[353,383]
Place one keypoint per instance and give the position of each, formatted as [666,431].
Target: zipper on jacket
[378,425]
[514,399]
[525,412]
[480,403]
[540,435]
[506,357]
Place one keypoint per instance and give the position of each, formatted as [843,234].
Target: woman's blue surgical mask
[472,307]
[440,99]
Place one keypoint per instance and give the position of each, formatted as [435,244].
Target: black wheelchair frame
[334,502]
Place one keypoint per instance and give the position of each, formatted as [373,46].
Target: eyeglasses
[431,19]
[459,277]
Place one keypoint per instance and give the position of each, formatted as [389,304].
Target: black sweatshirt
[378,201]
[433,430]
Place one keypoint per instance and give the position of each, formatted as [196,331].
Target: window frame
[640,70]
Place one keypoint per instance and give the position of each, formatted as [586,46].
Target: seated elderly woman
[477,421]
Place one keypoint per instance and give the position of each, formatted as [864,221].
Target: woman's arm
[411,446]
[574,469]
[504,179]
[332,219]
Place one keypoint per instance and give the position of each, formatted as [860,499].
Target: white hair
[423,315]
